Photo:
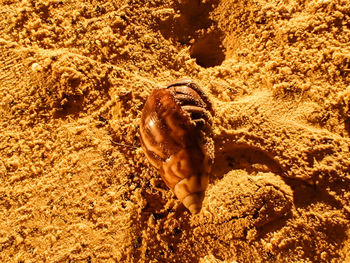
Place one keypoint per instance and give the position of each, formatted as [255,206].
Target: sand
[75,185]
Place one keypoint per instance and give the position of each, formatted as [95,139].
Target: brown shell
[175,122]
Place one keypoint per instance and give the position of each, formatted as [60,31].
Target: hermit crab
[175,134]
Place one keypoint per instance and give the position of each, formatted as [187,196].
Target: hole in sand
[70,105]
[193,23]
[347,125]
[208,50]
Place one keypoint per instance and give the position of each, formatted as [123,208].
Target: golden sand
[75,185]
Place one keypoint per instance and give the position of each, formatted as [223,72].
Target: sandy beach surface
[75,185]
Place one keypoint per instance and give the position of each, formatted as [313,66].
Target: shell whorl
[174,123]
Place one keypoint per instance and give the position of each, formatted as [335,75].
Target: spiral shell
[175,134]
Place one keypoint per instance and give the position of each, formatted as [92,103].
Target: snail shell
[175,134]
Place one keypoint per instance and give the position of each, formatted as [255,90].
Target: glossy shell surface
[174,129]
